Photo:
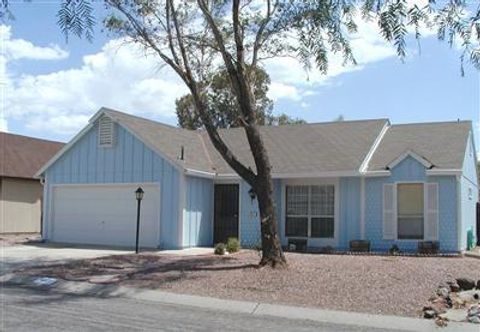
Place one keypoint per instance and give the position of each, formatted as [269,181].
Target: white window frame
[313,241]
[423,183]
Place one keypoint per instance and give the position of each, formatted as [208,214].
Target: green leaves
[77,17]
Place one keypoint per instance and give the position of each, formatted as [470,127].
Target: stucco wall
[20,205]
[411,170]
[198,215]
[128,161]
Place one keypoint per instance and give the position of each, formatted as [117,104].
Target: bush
[394,250]
[219,249]
[233,245]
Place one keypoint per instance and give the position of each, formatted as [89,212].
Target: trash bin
[471,241]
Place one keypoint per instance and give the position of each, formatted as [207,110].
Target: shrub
[394,249]
[219,249]
[233,245]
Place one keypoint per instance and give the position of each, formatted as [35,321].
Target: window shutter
[431,211]
[105,132]
[389,212]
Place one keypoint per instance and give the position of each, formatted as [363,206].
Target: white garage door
[105,215]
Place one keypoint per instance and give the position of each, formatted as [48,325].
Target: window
[410,211]
[105,132]
[310,211]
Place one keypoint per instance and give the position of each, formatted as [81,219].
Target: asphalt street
[33,310]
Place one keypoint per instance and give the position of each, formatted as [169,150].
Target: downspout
[362,207]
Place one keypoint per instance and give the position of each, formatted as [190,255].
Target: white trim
[182,208]
[441,172]
[315,242]
[382,173]
[362,208]
[201,174]
[396,208]
[329,174]
[376,143]
[62,151]
[409,153]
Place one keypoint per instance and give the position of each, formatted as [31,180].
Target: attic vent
[105,132]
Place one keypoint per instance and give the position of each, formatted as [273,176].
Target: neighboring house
[333,182]
[20,193]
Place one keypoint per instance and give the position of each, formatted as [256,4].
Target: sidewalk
[252,308]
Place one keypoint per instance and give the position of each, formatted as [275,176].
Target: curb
[243,307]
[472,255]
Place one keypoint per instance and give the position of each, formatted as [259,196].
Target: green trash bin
[471,241]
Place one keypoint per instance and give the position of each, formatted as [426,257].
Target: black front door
[225,222]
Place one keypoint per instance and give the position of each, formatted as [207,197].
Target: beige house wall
[20,205]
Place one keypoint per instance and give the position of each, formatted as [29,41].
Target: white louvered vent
[105,132]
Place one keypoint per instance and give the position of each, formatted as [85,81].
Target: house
[334,182]
[20,193]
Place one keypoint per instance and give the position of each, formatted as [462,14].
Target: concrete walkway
[244,307]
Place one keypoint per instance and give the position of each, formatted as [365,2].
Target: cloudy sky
[50,88]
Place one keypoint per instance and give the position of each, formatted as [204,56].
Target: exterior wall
[469,194]
[128,161]
[20,205]
[411,170]
[198,215]
[250,235]
[349,211]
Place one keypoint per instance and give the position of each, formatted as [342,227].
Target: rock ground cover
[373,284]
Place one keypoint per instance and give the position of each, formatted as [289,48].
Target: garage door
[105,215]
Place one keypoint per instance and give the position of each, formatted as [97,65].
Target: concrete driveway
[16,256]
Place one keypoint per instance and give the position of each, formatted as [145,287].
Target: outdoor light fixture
[139,196]
[252,194]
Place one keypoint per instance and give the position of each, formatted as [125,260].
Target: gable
[128,160]
[469,169]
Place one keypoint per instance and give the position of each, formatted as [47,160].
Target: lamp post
[139,196]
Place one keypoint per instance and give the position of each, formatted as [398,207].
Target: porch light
[252,194]
[139,194]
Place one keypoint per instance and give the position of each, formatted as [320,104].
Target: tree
[196,38]
[223,107]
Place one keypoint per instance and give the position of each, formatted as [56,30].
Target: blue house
[334,182]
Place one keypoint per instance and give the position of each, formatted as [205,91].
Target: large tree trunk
[272,253]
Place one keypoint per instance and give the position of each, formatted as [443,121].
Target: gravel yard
[374,284]
[15,239]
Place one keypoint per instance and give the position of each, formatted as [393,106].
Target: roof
[305,148]
[308,150]
[443,144]
[22,156]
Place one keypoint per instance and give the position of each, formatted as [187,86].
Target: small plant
[219,249]
[233,245]
[394,250]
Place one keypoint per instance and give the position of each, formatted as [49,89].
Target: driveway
[16,256]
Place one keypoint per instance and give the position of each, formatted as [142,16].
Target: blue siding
[198,217]
[469,194]
[128,161]
[250,235]
[349,223]
[410,170]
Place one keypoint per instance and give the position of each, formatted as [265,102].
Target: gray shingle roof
[443,144]
[167,139]
[305,148]
[308,148]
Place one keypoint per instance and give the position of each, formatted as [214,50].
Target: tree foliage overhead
[223,107]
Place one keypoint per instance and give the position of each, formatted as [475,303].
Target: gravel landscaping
[373,284]
[7,240]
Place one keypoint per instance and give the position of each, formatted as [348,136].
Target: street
[32,310]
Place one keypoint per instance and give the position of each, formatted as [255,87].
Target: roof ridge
[431,123]
[30,137]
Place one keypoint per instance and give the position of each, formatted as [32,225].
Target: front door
[226,212]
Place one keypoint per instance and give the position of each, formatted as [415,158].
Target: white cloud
[119,76]
[3,124]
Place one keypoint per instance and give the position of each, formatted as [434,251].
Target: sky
[50,87]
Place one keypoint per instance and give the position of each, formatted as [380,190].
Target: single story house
[334,182]
[20,193]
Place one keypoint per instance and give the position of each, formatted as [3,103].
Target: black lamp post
[139,195]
